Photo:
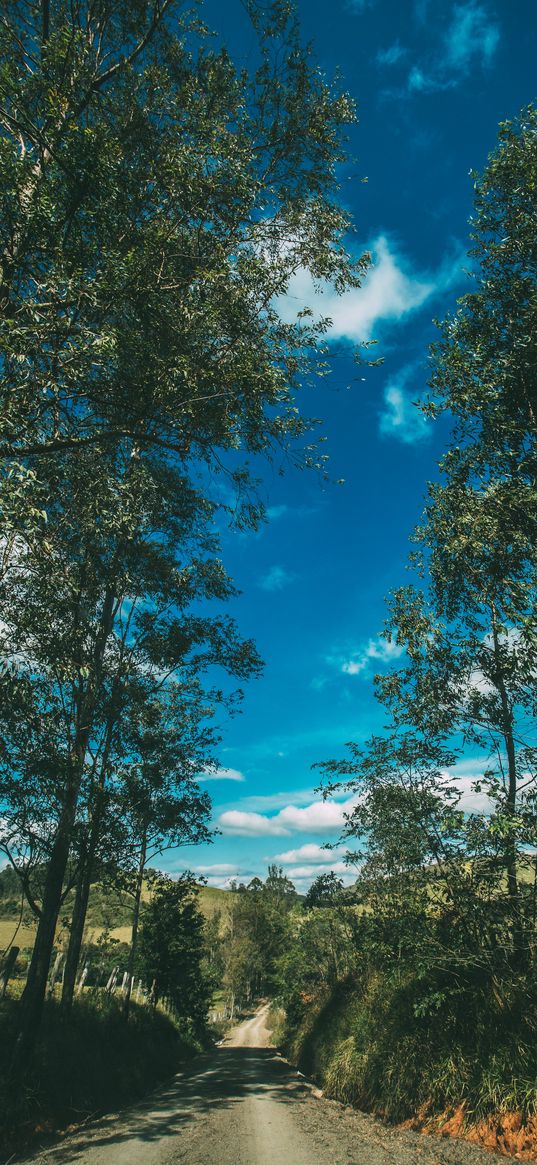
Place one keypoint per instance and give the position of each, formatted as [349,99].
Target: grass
[24,938]
[89,1063]
[373,1044]
[105,907]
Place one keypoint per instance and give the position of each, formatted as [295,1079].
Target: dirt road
[242,1104]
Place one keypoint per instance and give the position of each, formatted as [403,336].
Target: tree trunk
[87,865]
[36,983]
[135,921]
[513,890]
[77,931]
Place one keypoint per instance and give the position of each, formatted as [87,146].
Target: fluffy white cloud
[463,776]
[471,37]
[378,650]
[313,871]
[391,291]
[470,40]
[221,775]
[266,802]
[401,418]
[319,817]
[276,579]
[243,824]
[219,882]
[310,853]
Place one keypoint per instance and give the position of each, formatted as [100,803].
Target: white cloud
[218,869]
[219,882]
[391,291]
[276,579]
[314,871]
[401,418]
[469,41]
[463,776]
[379,650]
[221,775]
[421,82]
[275,512]
[310,852]
[390,56]
[266,802]
[319,817]
[471,37]
[242,824]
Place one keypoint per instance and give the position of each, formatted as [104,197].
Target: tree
[160,798]
[156,201]
[127,561]
[181,190]
[172,949]
[256,934]
[324,891]
[468,624]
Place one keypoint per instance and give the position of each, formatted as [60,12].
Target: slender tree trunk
[511,854]
[77,929]
[135,921]
[80,908]
[36,983]
[88,862]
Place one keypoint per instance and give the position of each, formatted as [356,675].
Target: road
[242,1104]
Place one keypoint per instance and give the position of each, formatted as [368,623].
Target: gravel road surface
[241,1104]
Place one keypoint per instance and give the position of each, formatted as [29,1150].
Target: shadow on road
[219,1079]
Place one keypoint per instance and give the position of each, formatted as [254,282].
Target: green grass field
[105,907]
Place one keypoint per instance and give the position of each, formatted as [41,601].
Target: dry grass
[211,901]
[24,938]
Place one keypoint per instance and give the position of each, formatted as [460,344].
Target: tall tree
[469,624]
[156,201]
[172,949]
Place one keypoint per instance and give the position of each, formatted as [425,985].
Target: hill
[109,911]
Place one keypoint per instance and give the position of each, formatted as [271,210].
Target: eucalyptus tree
[466,685]
[478,536]
[158,798]
[155,202]
[129,561]
[143,796]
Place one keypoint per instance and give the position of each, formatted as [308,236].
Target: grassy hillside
[109,911]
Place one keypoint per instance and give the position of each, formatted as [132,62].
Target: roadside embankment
[445,1068]
[88,1062]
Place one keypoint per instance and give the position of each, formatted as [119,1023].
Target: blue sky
[432,79]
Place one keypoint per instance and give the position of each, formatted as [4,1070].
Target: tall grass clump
[403,1045]
[88,1062]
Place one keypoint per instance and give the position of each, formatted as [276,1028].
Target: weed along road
[242,1104]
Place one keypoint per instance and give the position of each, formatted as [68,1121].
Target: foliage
[324,890]
[93,1062]
[155,202]
[172,949]
[438,1008]
[398,1045]
[255,937]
